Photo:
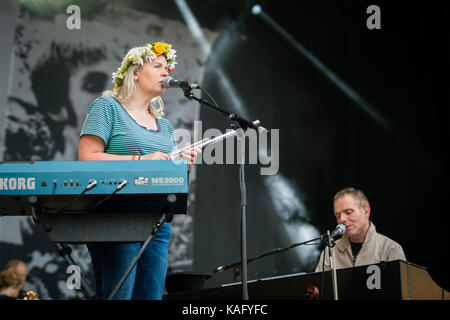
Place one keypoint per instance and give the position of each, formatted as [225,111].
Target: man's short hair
[358,195]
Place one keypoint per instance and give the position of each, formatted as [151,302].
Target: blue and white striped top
[109,120]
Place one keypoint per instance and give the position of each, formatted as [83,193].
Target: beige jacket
[375,248]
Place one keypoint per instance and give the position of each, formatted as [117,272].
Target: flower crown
[140,55]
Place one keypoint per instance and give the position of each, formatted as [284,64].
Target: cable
[209,96]
[88,187]
[54,187]
[119,187]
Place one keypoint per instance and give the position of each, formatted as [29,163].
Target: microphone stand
[325,240]
[330,244]
[244,125]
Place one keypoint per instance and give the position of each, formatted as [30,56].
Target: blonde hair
[11,279]
[125,92]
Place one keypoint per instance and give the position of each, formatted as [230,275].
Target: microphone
[339,231]
[170,82]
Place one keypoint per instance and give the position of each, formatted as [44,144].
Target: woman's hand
[156,156]
[190,155]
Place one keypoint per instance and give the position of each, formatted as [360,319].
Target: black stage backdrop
[326,140]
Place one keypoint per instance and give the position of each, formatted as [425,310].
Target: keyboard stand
[50,225]
[166,216]
[63,250]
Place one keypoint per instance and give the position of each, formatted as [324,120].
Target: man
[360,244]
[20,268]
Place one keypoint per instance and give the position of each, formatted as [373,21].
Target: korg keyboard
[86,201]
[72,177]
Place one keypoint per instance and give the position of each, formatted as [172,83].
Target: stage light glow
[256,9]
[197,33]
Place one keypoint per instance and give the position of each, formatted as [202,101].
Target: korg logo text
[167,181]
[18,183]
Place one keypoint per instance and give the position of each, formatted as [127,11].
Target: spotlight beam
[345,88]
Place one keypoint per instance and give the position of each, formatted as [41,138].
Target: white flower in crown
[135,56]
[171,55]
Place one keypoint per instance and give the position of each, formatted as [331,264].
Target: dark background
[328,142]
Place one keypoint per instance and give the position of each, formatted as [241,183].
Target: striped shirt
[122,135]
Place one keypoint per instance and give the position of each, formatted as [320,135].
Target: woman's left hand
[190,155]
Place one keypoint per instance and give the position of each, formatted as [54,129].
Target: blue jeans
[146,279]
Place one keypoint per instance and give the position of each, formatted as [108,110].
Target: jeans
[146,279]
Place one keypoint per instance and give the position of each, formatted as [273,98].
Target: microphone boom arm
[243,123]
[327,238]
[265,254]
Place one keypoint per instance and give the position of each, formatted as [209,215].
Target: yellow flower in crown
[159,48]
